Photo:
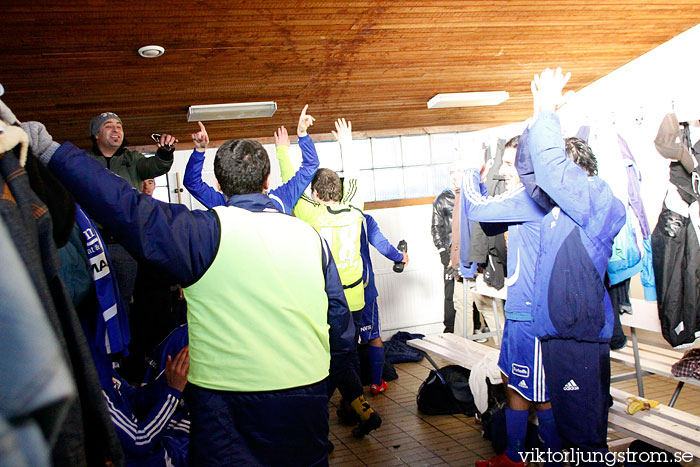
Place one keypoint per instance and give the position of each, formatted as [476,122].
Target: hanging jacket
[37,386]
[676,256]
[441,227]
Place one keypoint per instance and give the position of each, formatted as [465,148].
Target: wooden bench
[664,427]
[455,349]
[647,358]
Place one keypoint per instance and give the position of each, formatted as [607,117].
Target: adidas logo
[571,386]
[522,384]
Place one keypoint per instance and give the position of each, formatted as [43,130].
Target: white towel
[487,367]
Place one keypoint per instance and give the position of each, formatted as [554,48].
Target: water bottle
[403,248]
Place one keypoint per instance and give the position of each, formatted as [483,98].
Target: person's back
[335,211]
[573,315]
[273,283]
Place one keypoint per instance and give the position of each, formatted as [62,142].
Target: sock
[516,429]
[376,363]
[361,406]
[548,432]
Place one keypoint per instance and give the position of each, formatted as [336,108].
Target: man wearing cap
[109,149]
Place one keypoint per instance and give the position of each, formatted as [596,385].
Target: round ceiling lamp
[151,51]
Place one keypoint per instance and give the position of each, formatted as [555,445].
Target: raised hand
[305,121]
[167,142]
[343,131]
[201,138]
[547,90]
[485,169]
[176,370]
[282,137]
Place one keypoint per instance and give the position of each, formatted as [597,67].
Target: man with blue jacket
[266,312]
[520,358]
[572,314]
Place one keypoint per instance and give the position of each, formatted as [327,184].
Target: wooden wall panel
[374,62]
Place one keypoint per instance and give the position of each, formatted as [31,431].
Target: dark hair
[512,143]
[241,166]
[578,151]
[327,185]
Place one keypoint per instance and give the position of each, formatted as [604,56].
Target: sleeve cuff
[45,157]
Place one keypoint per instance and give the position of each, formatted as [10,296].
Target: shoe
[374,389]
[346,415]
[330,446]
[500,460]
[483,339]
[372,423]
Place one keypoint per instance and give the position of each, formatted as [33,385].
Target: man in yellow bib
[335,211]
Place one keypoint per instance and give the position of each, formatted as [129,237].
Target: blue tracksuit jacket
[284,197]
[523,217]
[576,242]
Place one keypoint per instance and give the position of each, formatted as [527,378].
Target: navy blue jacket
[576,242]
[182,243]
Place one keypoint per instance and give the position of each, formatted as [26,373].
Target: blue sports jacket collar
[255,202]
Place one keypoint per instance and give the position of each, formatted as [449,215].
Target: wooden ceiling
[374,62]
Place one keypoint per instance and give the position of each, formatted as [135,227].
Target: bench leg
[637,366]
[676,393]
[432,362]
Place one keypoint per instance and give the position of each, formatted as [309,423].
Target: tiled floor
[408,437]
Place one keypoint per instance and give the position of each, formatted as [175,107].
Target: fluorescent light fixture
[467,99]
[231,111]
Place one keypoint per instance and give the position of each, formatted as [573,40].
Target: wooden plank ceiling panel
[374,62]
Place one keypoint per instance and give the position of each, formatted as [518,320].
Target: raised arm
[351,164]
[377,239]
[152,167]
[192,180]
[181,242]
[290,192]
[564,181]
[585,198]
[282,152]
[511,207]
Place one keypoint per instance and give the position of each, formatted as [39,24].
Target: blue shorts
[521,361]
[369,323]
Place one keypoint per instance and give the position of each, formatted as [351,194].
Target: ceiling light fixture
[467,99]
[151,51]
[231,111]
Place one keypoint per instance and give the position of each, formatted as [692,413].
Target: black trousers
[449,320]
